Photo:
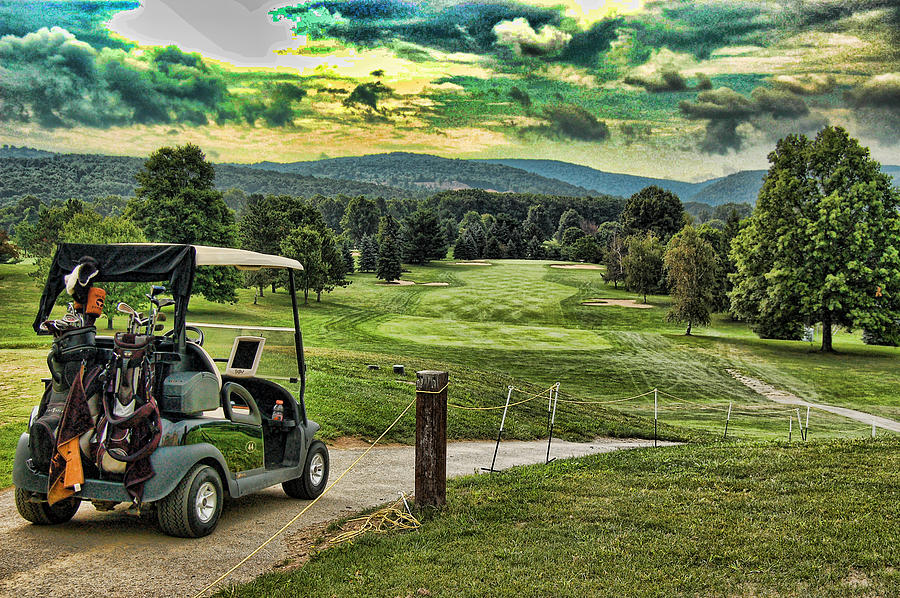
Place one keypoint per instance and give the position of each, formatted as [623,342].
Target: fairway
[456,333]
[519,323]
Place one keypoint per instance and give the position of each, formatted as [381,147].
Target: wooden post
[431,439]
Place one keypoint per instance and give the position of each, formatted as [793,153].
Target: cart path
[114,554]
[786,398]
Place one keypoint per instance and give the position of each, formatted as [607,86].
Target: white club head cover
[76,277]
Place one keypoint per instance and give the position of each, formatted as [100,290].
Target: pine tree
[465,248]
[368,254]
[423,238]
[492,249]
[347,256]
[389,266]
[535,249]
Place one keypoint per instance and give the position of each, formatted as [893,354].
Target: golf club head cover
[78,281]
[96,297]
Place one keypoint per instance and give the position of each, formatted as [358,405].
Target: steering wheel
[194,329]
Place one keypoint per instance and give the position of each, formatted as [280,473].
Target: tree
[465,247]
[653,209]
[368,254]
[644,264]
[823,244]
[389,267]
[347,256]
[691,266]
[40,239]
[423,239]
[360,218]
[567,220]
[539,219]
[176,202]
[304,244]
[90,227]
[492,249]
[333,270]
[8,251]
[615,261]
[570,235]
[535,249]
[586,249]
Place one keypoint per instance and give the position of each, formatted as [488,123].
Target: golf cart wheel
[41,513]
[193,508]
[315,474]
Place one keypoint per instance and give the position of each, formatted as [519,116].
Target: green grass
[761,519]
[515,322]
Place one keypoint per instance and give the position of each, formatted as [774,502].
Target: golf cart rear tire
[180,514]
[315,474]
[41,513]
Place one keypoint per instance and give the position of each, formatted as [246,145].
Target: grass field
[512,323]
[746,519]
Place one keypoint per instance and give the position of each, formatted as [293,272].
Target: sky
[672,88]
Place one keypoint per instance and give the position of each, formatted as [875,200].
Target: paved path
[786,398]
[114,554]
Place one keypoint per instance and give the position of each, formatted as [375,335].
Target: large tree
[423,238]
[653,209]
[368,254]
[176,202]
[643,264]
[823,244]
[615,260]
[360,218]
[389,265]
[304,244]
[691,266]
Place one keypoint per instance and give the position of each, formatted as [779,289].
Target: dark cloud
[669,80]
[703,27]
[86,20]
[51,77]
[877,104]
[523,40]
[574,122]
[585,46]
[773,112]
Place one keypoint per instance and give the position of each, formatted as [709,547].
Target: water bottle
[278,412]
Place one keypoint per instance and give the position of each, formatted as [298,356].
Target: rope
[530,398]
[306,508]
[388,519]
[433,392]
[649,392]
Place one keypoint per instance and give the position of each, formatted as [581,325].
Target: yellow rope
[530,398]
[389,518]
[306,508]
[649,392]
[433,392]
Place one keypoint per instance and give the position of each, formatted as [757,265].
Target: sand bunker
[577,266]
[471,264]
[409,283]
[397,283]
[617,302]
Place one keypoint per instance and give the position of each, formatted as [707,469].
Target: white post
[873,429]
[800,423]
[790,427]
[807,422]
[655,413]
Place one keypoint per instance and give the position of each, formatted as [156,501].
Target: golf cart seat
[201,361]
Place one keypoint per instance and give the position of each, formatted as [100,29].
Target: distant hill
[610,183]
[424,172]
[740,187]
[88,176]
[12,151]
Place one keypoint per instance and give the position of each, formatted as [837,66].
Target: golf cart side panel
[171,464]
[241,445]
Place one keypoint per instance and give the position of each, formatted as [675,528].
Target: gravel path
[114,554]
[786,398]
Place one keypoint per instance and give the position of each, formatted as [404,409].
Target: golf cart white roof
[240,258]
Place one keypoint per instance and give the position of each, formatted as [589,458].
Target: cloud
[54,79]
[806,85]
[877,103]
[518,35]
[666,81]
[772,113]
[574,122]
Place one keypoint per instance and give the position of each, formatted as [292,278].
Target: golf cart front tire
[315,474]
[42,513]
[193,508]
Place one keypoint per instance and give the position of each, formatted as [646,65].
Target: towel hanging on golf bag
[71,355]
[66,473]
[129,428]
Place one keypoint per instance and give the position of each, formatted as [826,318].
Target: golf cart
[150,417]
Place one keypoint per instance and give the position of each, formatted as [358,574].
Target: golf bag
[72,348]
[129,428]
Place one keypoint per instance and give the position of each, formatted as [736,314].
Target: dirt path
[786,398]
[114,554]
